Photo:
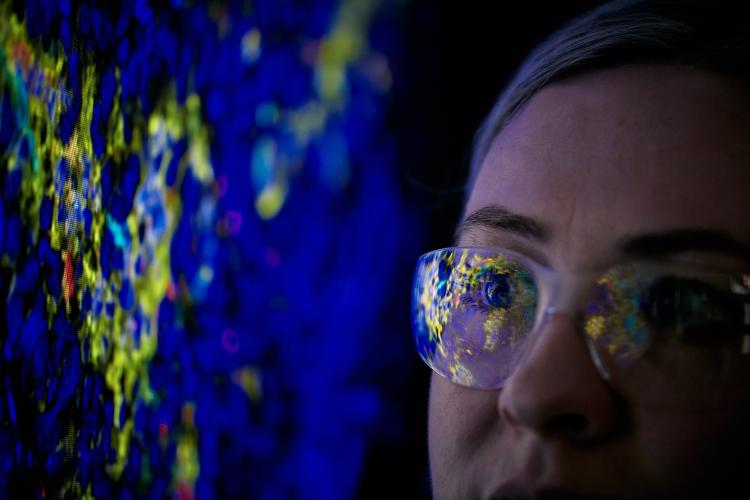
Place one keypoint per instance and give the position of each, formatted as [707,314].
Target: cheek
[695,450]
[443,424]
[462,423]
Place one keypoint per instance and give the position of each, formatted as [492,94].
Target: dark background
[457,57]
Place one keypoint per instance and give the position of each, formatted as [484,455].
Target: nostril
[567,423]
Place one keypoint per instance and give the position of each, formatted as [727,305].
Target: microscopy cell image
[188,284]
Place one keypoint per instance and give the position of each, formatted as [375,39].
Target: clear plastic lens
[672,338]
[662,335]
[473,310]
[613,319]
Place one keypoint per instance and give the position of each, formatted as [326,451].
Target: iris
[496,292]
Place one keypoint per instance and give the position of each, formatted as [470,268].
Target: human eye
[694,309]
[501,289]
[496,291]
[491,291]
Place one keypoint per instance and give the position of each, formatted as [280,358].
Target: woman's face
[597,162]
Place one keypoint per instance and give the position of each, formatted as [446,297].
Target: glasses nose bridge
[568,295]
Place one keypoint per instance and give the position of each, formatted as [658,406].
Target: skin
[596,160]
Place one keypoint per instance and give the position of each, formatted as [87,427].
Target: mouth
[516,491]
[558,494]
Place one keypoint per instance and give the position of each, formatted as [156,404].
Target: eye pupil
[496,291]
[659,303]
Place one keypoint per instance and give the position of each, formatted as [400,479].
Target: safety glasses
[662,335]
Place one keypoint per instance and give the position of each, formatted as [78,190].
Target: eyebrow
[497,217]
[684,240]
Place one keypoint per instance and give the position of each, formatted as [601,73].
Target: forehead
[625,151]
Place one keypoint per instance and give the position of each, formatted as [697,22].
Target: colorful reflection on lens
[472,312]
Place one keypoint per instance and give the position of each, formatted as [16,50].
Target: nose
[556,391]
